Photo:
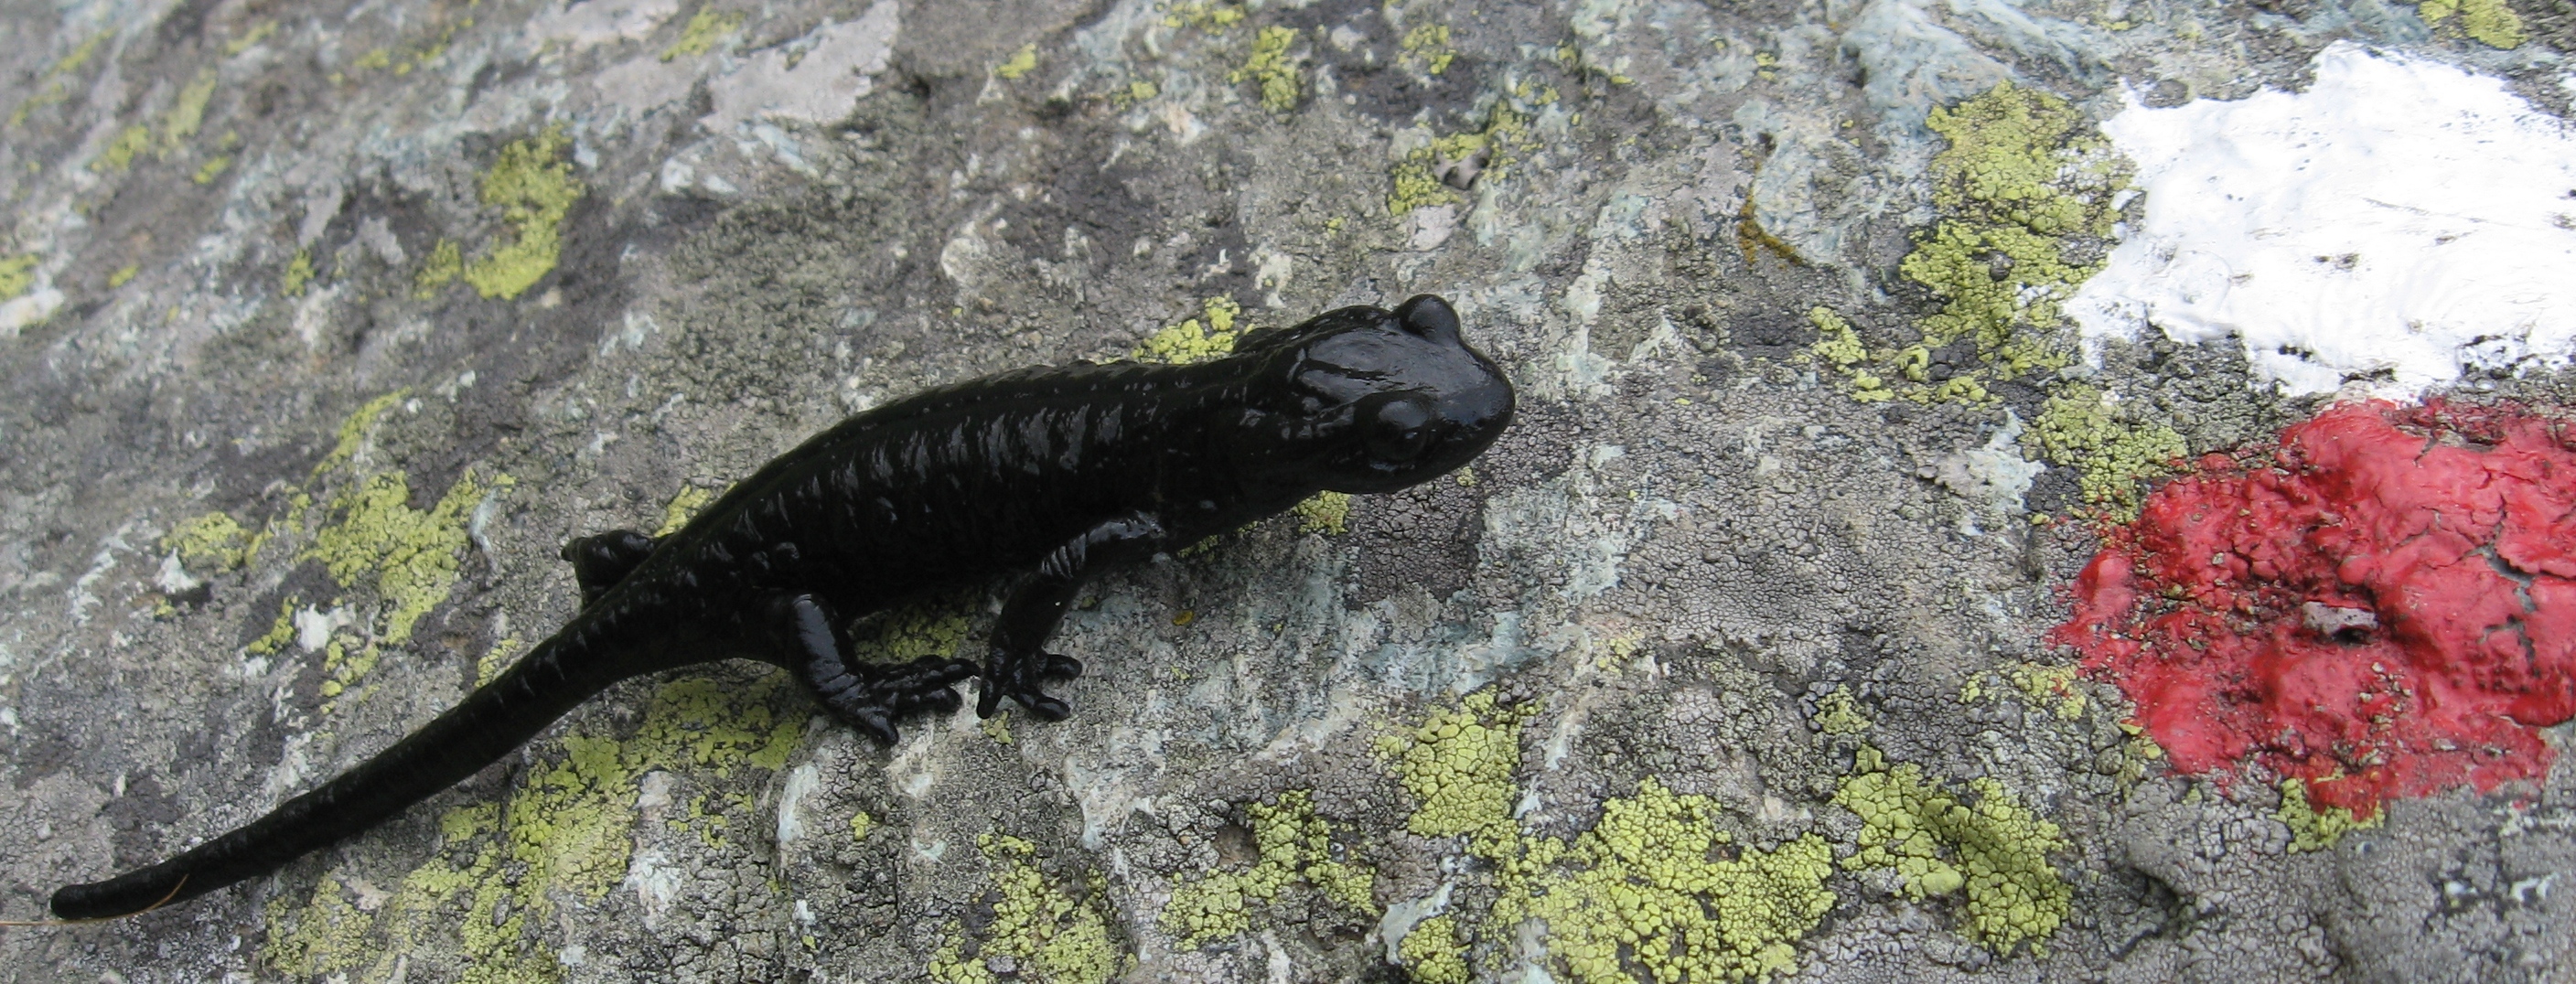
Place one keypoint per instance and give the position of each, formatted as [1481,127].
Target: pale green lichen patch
[1194,340]
[1212,16]
[495,659]
[1655,891]
[2023,197]
[120,152]
[683,506]
[1022,62]
[2488,22]
[1838,347]
[1271,68]
[567,831]
[446,263]
[1293,845]
[705,28]
[1657,887]
[1426,47]
[1328,513]
[354,430]
[2114,452]
[279,632]
[1994,850]
[2053,687]
[1839,713]
[1431,952]
[1050,936]
[298,275]
[2312,829]
[1488,153]
[187,114]
[214,540]
[917,631]
[409,556]
[534,189]
[17,275]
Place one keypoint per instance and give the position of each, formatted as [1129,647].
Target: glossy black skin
[1047,476]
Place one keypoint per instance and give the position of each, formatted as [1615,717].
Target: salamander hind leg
[868,697]
[599,562]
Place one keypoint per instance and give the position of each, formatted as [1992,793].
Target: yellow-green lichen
[1194,341]
[2021,194]
[258,33]
[2489,22]
[1293,844]
[705,28]
[2053,687]
[186,114]
[214,539]
[860,824]
[922,630]
[355,428]
[17,275]
[2312,829]
[409,554]
[211,169]
[1994,849]
[123,275]
[494,660]
[1426,46]
[1022,63]
[1328,513]
[2114,453]
[684,504]
[1053,936]
[1458,765]
[1272,68]
[1839,713]
[567,831]
[1431,952]
[1658,887]
[2023,175]
[279,632]
[120,152]
[1213,16]
[298,275]
[1489,152]
[534,189]
[1654,891]
[1838,347]
[446,263]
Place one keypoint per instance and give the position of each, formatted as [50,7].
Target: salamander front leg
[868,697]
[1019,662]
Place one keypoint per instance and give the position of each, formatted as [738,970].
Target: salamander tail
[500,716]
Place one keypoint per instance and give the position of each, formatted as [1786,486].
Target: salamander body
[1046,476]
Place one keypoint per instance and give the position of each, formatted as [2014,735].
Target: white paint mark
[2396,223]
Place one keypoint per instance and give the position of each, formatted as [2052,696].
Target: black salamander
[1049,476]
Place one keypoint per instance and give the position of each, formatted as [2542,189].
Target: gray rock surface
[408,294]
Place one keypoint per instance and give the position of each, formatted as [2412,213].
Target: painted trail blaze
[2382,606]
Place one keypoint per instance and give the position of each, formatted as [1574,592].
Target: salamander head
[1363,399]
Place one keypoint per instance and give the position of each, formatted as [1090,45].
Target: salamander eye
[1399,430]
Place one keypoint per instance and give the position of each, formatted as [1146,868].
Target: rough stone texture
[1693,548]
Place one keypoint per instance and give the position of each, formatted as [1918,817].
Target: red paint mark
[2384,605]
